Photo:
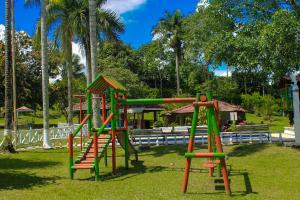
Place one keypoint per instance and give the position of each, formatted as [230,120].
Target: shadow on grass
[158,151]
[247,182]
[122,173]
[247,149]
[17,180]
[138,168]
[219,184]
[13,163]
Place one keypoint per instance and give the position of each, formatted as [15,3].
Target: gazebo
[24,109]
[137,112]
[228,112]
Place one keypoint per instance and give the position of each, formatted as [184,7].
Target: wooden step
[83,166]
[211,164]
[87,162]
[90,155]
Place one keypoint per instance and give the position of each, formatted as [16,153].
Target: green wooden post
[89,110]
[216,131]
[194,121]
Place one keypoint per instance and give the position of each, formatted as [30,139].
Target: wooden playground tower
[99,138]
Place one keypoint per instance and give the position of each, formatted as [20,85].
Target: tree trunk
[6,144]
[70,80]
[45,77]
[227,72]
[93,42]
[161,85]
[87,49]
[245,83]
[177,73]
[13,56]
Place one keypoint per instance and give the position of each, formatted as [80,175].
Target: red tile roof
[223,107]
[24,109]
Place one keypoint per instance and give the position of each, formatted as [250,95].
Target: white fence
[227,138]
[58,137]
[34,137]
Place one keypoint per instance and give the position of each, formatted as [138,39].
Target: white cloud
[219,72]
[123,6]
[2,32]
[78,51]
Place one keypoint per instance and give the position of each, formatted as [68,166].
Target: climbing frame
[215,155]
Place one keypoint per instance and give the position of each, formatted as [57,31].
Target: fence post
[241,138]
[280,137]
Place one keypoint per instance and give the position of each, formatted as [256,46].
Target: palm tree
[13,56]
[99,21]
[170,31]
[61,13]
[107,25]
[93,43]
[45,75]
[6,144]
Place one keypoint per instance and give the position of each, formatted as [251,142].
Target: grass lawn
[54,118]
[259,171]
[277,123]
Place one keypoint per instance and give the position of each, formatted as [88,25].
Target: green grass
[54,118]
[277,123]
[259,171]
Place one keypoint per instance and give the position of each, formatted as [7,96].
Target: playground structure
[99,138]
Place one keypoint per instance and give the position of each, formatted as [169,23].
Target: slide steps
[86,158]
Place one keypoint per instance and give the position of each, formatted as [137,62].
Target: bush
[158,124]
[265,106]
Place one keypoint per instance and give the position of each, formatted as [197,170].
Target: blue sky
[139,16]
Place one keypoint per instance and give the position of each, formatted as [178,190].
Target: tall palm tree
[108,25]
[45,75]
[6,144]
[61,13]
[93,22]
[93,43]
[13,56]
[170,31]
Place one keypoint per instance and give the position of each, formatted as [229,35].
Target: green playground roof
[101,83]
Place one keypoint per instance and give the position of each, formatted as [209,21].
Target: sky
[139,17]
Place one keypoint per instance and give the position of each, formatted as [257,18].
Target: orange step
[83,166]
[86,162]
[211,164]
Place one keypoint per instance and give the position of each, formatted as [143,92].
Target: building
[228,112]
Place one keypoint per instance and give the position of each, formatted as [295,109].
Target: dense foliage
[258,41]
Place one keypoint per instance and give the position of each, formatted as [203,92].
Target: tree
[93,44]
[61,14]
[108,26]
[170,31]
[279,43]
[221,88]
[13,56]
[136,88]
[58,89]
[45,75]
[6,144]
